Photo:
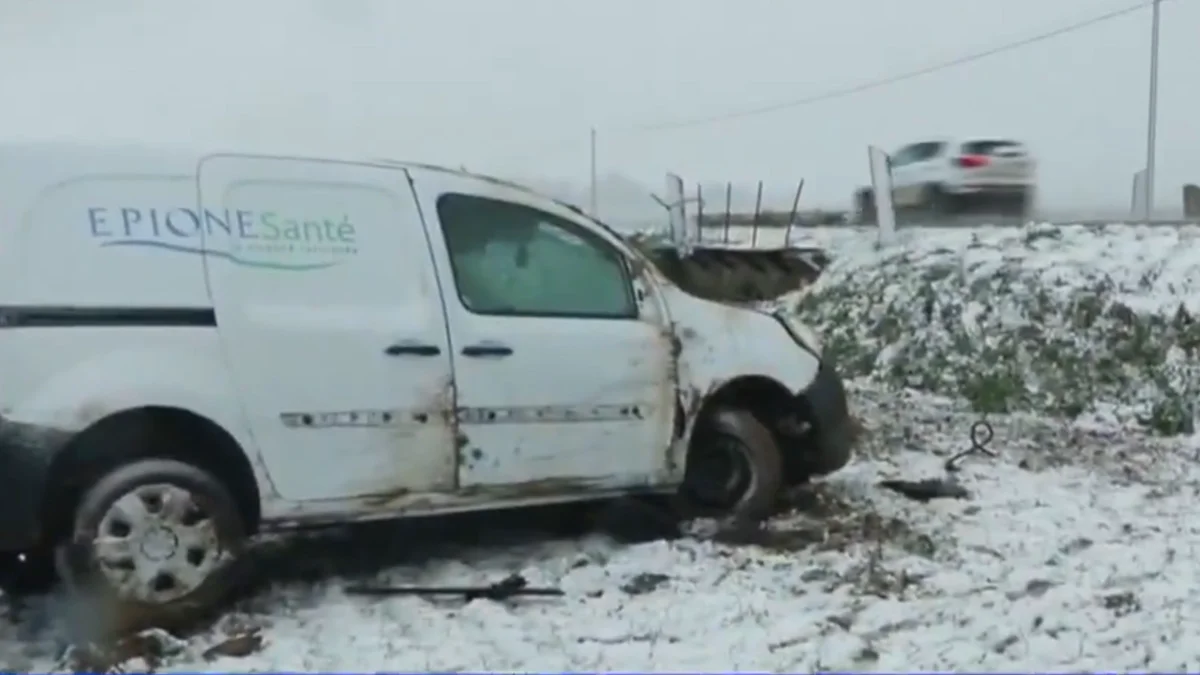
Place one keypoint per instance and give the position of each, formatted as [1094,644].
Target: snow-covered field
[1073,550]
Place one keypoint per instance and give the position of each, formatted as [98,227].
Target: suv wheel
[154,542]
[1022,204]
[937,202]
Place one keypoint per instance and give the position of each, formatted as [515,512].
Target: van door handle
[486,349]
[412,349]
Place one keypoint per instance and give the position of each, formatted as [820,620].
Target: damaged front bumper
[826,445]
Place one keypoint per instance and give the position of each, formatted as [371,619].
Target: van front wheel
[154,543]
[734,468]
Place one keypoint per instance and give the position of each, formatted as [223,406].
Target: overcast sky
[512,86]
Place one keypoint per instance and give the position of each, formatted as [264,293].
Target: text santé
[153,223]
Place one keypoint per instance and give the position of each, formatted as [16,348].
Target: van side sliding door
[331,320]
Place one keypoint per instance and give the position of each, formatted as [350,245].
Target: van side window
[511,259]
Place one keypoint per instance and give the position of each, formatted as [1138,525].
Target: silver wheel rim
[156,544]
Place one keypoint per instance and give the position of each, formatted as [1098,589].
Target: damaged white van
[199,348]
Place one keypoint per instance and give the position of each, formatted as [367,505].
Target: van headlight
[802,334]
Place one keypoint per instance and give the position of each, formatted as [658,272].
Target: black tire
[936,202]
[751,449]
[108,611]
[1023,204]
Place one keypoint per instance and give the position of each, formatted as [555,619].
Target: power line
[886,81]
[854,89]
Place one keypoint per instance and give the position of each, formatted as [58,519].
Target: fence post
[757,211]
[787,234]
[1191,201]
[881,188]
[728,210]
[1137,205]
[677,213]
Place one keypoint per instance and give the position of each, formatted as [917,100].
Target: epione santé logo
[264,239]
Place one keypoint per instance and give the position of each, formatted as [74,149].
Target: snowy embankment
[1063,320]
[1073,549]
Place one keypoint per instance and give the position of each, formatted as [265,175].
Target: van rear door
[332,324]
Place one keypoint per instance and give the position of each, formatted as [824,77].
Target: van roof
[184,159]
[132,158]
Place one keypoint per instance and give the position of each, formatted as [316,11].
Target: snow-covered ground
[1073,551]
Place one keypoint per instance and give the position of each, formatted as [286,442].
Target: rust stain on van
[665,357]
[436,414]
[474,496]
[547,487]
[384,499]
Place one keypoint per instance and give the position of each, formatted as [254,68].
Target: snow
[1156,266]
[1073,552]
[1064,319]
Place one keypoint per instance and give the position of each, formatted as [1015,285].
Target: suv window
[917,152]
[511,259]
[902,156]
[991,147]
[928,150]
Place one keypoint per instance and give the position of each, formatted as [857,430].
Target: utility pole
[1152,121]
[594,212]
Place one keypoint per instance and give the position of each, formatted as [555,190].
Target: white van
[198,348]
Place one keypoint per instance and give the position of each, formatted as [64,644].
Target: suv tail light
[971,161]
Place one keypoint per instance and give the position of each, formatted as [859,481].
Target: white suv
[944,176]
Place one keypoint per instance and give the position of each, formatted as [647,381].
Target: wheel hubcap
[156,544]
[718,473]
[159,544]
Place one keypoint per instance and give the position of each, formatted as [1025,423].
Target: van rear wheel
[154,543]
[734,468]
